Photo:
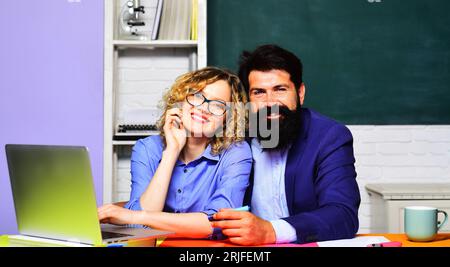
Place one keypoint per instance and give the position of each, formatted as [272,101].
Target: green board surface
[365,62]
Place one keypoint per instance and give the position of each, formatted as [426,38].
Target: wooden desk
[169,242]
[442,240]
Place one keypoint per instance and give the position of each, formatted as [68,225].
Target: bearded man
[304,185]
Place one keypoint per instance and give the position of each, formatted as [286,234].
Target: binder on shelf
[157,20]
[162,32]
[178,20]
[183,25]
[171,19]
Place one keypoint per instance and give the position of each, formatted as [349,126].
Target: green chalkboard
[365,61]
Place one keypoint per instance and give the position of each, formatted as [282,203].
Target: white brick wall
[144,76]
[122,184]
[399,154]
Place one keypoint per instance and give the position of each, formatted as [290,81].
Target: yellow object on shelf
[194,20]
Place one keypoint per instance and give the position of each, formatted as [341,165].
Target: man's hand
[116,215]
[244,228]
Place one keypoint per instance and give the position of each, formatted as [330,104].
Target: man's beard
[277,133]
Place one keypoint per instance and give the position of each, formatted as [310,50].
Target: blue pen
[116,245]
[244,208]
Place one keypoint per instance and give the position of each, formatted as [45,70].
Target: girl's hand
[114,214]
[174,130]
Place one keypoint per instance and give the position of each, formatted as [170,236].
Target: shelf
[130,138]
[155,44]
[123,143]
[136,133]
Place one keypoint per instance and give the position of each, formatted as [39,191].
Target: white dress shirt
[269,194]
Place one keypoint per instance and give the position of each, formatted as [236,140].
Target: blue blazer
[320,181]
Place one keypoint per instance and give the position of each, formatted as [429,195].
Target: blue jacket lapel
[294,159]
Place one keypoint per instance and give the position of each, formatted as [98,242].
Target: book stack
[175,20]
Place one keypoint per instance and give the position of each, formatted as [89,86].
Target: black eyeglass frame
[208,102]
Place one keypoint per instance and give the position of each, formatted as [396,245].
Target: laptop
[54,197]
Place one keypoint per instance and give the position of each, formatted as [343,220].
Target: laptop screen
[53,192]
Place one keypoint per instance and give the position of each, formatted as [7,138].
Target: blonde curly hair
[236,117]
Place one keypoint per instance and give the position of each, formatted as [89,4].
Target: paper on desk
[28,241]
[360,241]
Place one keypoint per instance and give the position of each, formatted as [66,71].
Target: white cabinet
[137,72]
[389,200]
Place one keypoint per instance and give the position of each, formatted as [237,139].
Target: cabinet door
[396,210]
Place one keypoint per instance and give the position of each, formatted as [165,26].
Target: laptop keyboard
[108,235]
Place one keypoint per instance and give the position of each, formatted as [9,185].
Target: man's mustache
[276,109]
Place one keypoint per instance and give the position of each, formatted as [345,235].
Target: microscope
[130,20]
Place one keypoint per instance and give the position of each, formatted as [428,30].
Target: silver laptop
[54,197]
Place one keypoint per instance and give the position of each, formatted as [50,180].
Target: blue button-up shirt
[207,184]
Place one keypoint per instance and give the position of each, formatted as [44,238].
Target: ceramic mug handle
[445,219]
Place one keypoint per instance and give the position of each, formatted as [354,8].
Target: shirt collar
[206,154]
[256,146]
